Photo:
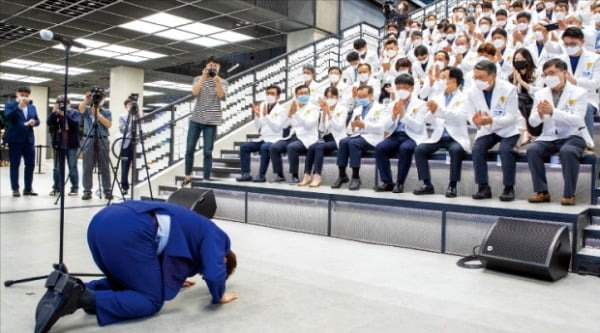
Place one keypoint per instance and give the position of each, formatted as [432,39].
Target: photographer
[210,90]
[21,117]
[55,123]
[398,17]
[96,122]
[128,150]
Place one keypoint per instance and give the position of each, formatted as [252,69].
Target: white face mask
[402,94]
[560,15]
[441,85]
[481,85]
[461,49]
[423,62]
[522,26]
[478,10]
[390,53]
[596,18]
[450,36]
[306,77]
[539,35]
[549,5]
[440,65]
[552,81]
[404,71]
[430,24]
[443,35]
[501,23]
[331,101]
[482,58]
[417,42]
[271,99]
[333,78]
[364,77]
[572,50]
[499,43]
[485,28]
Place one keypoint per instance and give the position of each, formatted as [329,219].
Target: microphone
[49,35]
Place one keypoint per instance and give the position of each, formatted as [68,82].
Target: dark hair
[333,90]
[214,59]
[499,31]
[529,74]
[450,26]
[359,43]
[393,25]
[465,37]
[573,32]
[430,16]
[364,86]
[485,18]
[300,87]
[487,5]
[421,50]
[446,55]
[363,65]
[231,263]
[352,56]
[524,15]
[334,68]
[487,66]
[417,33]
[516,4]
[562,4]
[276,87]
[404,79]
[556,62]
[61,99]
[24,89]
[390,35]
[390,41]
[455,73]
[470,18]
[311,68]
[487,48]
[501,12]
[127,101]
[403,62]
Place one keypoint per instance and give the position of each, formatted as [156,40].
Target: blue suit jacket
[17,132]
[196,245]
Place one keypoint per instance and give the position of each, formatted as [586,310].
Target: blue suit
[20,141]
[122,240]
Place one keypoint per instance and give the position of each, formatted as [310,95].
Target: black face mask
[521,64]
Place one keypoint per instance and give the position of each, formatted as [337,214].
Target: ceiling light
[176,34]
[131,58]
[206,41]
[34,79]
[231,36]
[200,28]
[73,48]
[119,49]
[103,53]
[148,93]
[166,19]
[148,54]
[18,63]
[11,77]
[142,26]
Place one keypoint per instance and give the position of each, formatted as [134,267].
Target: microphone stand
[62,154]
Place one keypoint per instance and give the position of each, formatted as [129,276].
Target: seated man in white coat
[270,120]
[448,117]
[493,106]
[561,107]
[366,131]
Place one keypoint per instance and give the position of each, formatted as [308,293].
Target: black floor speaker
[200,201]
[534,249]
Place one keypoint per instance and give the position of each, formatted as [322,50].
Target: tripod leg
[141,134]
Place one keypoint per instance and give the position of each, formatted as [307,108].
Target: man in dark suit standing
[146,249]
[21,117]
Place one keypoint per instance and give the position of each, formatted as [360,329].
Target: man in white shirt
[351,72]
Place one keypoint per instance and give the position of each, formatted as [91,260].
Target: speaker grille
[521,240]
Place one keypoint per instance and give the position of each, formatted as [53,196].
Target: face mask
[440,65]
[303,99]
[461,49]
[364,77]
[550,5]
[333,78]
[444,36]
[572,50]
[522,26]
[482,58]
[404,71]
[560,16]
[430,24]
[363,102]
[484,28]
[390,53]
[417,42]
[402,94]
[502,7]
[441,85]
[271,99]
[521,64]
[539,35]
[331,101]
[478,10]
[470,10]
[362,53]
[481,85]
[499,43]
[423,62]
[501,23]
[450,36]
[596,18]
[552,81]
[306,77]
[460,15]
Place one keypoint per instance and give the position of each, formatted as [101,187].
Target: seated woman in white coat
[332,125]
[448,117]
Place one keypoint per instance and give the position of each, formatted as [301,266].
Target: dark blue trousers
[507,156]
[316,154]
[16,151]
[126,162]
[398,144]
[352,148]
[294,150]
[123,246]
[248,148]
[276,150]
[425,150]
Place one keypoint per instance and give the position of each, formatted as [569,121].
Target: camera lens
[212,73]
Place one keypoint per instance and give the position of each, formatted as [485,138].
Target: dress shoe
[294,180]
[539,197]
[54,193]
[384,187]
[484,192]
[73,193]
[61,298]
[260,179]
[424,189]
[451,192]
[125,191]
[568,201]
[508,194]
[338,182]
[316,181]
[16,194]
[398,188]
[30,193]
[86,196]
[279,179]
[244,178]
[354,184]
[108,196]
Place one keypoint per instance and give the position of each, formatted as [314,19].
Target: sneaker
[54,193]
[86,196]
[73,192]
[30,193]
[16,194]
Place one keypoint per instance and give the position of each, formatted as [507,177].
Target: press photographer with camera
[55,122]
[21,116]
[96,122]
[392,15]
[126,125]
[210,90]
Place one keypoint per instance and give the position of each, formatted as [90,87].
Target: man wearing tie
[492,106]
[561,107]
[21,117]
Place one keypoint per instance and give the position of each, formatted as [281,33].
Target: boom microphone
[49,35]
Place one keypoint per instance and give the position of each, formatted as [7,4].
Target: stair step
[588,259]
[252,136]
[229,161]
[237,144]
[230,152]
[166,190]
[592,231]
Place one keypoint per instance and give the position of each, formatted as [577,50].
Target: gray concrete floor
[292,282]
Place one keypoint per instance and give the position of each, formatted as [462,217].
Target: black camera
[97,95]
[133,98]
[212,72]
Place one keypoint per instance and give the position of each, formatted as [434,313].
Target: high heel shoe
[316,182]
[305,181]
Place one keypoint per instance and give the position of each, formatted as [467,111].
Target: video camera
[97,95]
[133,98]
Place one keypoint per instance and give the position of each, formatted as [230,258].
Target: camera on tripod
[133,99]
[97,95]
